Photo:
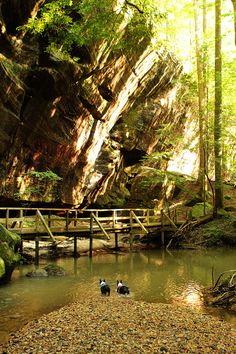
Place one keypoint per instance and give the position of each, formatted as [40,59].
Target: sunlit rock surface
[83,123]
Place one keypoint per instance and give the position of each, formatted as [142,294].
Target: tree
[202,92]
[67,24]
[234,6]
[218,202]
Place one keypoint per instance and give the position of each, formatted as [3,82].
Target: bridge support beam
[75,254]
[116,241]
[21,247]
[91,237]
[162,238]
[162,229]
[36,250]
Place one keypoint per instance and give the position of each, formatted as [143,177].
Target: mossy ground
[220,231]
[215,233]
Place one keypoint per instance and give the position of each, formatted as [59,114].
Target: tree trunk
[218,110]
[234,6]
[202,92]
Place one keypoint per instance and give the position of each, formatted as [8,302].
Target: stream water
[154,276]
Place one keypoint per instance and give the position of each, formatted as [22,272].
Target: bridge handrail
[73,209]
[70,218]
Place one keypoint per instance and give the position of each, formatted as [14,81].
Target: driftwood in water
[223,292]
[188,226]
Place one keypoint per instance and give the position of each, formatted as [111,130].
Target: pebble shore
[121,325]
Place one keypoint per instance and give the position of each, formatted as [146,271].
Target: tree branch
[135,6]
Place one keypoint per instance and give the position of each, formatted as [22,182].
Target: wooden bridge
[45,223]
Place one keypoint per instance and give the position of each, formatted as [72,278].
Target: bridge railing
[33,220]
[35,223]
[60,220]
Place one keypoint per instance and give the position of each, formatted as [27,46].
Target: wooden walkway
[45,223]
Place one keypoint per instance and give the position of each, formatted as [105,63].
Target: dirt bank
[120,325]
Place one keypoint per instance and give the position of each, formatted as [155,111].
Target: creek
[175,277]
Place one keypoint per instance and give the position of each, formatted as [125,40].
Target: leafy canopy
[68,23]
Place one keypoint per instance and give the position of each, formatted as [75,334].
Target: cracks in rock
[91,108]
[105,92]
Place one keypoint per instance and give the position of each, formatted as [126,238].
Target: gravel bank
[121,325]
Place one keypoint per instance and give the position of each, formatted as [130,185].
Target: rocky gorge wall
[73,132]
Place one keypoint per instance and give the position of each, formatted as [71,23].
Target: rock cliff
[72,132]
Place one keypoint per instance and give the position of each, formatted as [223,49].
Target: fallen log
[223,292]
[188,226]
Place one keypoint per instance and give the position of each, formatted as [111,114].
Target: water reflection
[192,296]
[155,276]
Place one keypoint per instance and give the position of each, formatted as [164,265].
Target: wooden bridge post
[131,221]
[36,250]
[162,229]
[91,236]
[148,216]
[75,221]
[36,221]
[21,246]
[131,230]
[75,254]
[131,242]
[21,219]
[114,217]
[7,217]
[67,220]
[49,218]
[116,241]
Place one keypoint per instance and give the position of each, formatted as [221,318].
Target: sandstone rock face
[78,125]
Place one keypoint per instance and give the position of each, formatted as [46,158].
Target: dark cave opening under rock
[132,157]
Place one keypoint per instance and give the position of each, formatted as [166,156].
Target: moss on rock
[9,257]
[2,267]
[54,270]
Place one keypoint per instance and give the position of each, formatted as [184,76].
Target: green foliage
[227,197]
[133,122]
[220,231]
[158,176]
[2,267]
[9,242]
[136,32]
[32,190]
[13,70]
[45,175]
[95,21]
[114,198]
[166,141]
[153,178]
[198,210]
[41,184]
[11,238]
[189,92]
[67,24]
[54,270]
